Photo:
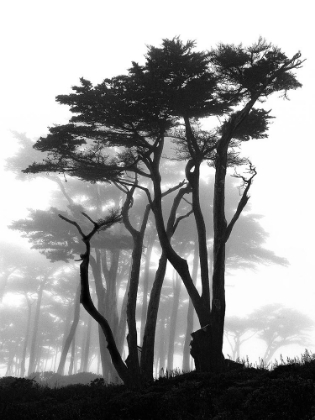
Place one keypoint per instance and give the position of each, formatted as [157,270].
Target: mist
[41,317]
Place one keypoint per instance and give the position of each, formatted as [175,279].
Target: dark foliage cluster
[248,393]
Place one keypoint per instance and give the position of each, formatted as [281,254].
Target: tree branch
[170,190]
[242,203]
[73,223]
[180,218]
[87,302]
[129,184]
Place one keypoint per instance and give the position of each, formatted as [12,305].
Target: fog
[270,290]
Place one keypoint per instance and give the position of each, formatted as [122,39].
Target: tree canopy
[117,124]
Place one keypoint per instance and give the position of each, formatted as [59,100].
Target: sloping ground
[287,392]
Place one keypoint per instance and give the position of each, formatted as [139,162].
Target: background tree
[275,324]
[281,326]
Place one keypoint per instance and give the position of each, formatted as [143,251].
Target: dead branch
[243,201]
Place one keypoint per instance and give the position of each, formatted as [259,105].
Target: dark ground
[286,392]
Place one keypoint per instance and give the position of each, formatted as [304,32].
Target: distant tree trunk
[272,346]
[110,274]
[98,364]
[67,323]
[237,349]
[71,369]
[76,317]
[173,321]
[10,363]
[161,346]
[86,347]
[27,335]
[34,349]
[54,360]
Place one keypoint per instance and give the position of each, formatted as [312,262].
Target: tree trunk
[67,323]
[76,317]
[107,368]
[160,348]
[89,306]
[86,347]
[146,283]
[207,343]
[190,316]
[122,326]
[132,360]
[215,331]
[179,263]
[147,355]
[34,349]
[110,273]
[9,371]
[71,369]
[27,335]
[173,321]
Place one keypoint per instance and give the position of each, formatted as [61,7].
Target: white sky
[46,46]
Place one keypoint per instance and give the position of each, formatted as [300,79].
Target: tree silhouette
[275,324]
[120,127]
[281,326]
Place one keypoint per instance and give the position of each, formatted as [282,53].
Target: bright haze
[46,46]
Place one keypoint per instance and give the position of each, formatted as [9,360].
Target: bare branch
[187,201]
[170,190]
[120,187]
[243,201]
[180,218]
[92,221]
[73,223]
[129,184]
